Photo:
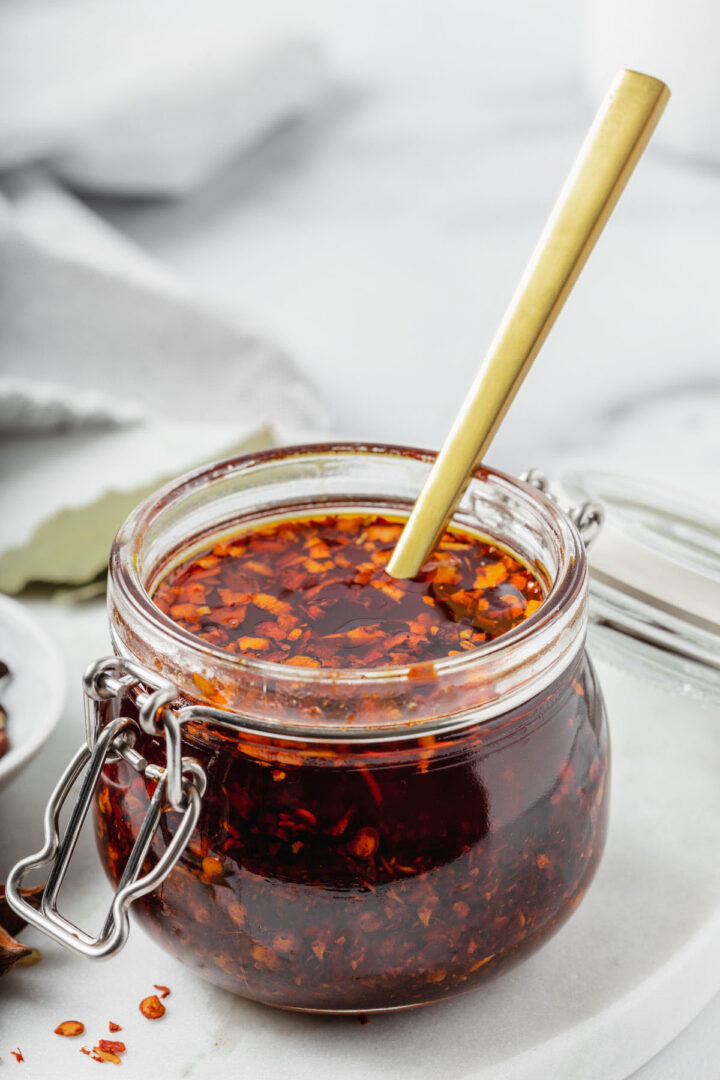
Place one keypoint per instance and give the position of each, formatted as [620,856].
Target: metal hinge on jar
[587,517]
[181,784]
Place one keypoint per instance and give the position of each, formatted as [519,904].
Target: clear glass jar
[368,839]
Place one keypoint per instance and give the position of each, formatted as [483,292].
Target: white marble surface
[380,243]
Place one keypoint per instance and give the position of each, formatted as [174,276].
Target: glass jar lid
[654,582]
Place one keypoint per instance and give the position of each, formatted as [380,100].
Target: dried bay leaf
[71,546]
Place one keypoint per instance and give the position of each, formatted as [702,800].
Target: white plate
[35,694]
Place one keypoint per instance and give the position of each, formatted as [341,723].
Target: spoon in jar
[612,148]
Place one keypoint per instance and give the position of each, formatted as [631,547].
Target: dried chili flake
[111,1046]
[164,990]
[113,1026]
[105,1055]
[70,1028]
[319,948]
[211,867]
[152,1007]
[17,1054]
[84,1050]
[365,843]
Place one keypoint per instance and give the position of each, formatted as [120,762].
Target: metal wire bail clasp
[587,517]
[181,783]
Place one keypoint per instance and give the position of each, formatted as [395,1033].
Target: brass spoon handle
[613,146]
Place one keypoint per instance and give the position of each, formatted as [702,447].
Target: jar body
[369,839]
[360,877]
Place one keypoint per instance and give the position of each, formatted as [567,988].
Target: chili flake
[105,1055]
[365,843]
[152,1007]
[113,1027]
[164,990]
[111,1046]
[17,1054]
[70,1028]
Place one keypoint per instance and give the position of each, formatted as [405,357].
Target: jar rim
[560,620]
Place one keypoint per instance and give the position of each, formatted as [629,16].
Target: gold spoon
[612,148]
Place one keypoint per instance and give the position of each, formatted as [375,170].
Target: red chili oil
[355,876]
[313,592]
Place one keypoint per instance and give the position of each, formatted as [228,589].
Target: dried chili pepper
[164,990]
[12,922]
[70,1028]
[152,1007]
[17,1054]
[11,951]
[113,1026]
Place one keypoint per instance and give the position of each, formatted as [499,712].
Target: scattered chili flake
[113,1027]
[17,1054]
[105,1055]
[164,990]
[111,1046]
[70,1028]
[84,1050]
[152,1007]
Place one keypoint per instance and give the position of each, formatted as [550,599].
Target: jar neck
[347,703]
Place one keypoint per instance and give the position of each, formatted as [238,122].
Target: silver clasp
[182,783]
[588,516]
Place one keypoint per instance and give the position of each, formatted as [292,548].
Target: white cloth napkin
[147,97]
[113,378]
[92,328]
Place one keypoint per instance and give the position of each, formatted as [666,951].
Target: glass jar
[341,840]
